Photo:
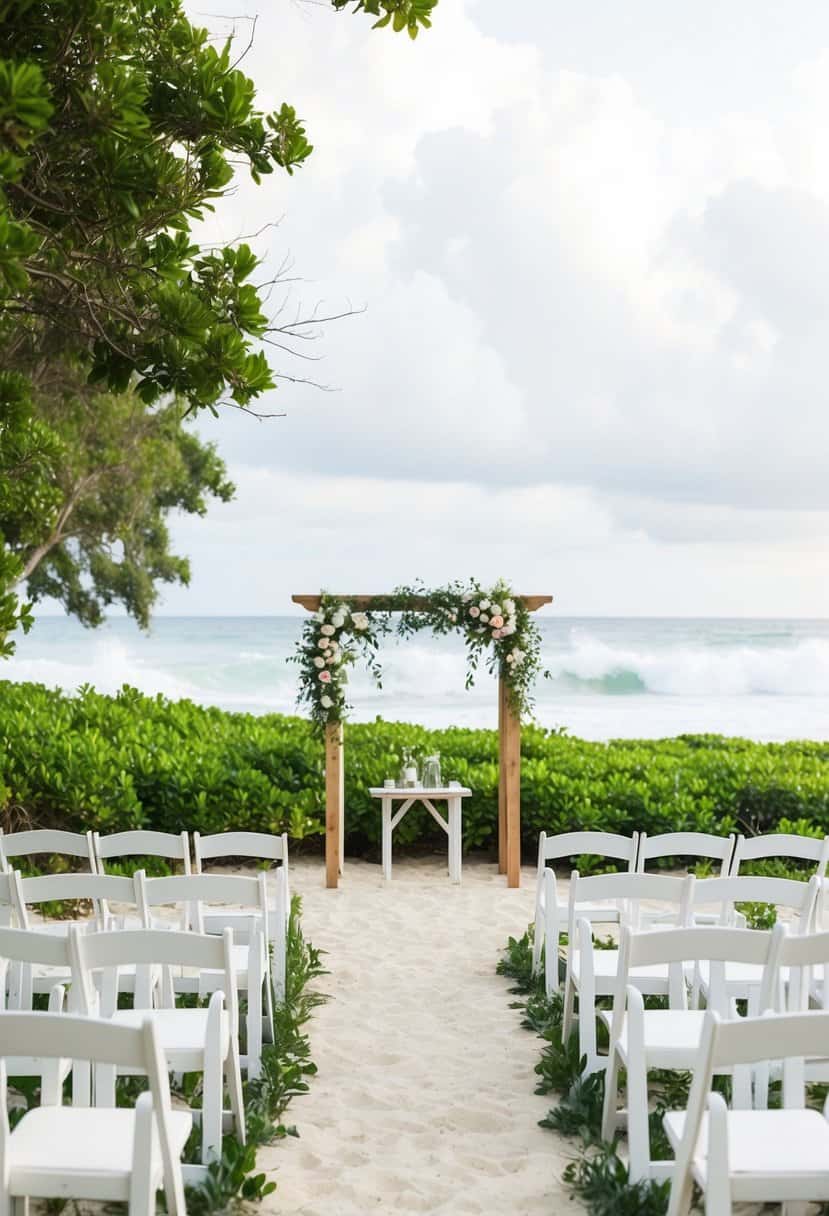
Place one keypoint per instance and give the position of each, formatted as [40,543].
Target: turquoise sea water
[764,679]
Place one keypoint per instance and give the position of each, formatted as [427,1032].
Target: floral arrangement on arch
[495,625]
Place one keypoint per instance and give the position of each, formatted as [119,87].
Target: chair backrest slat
[57,1036]
[170,845]
[580,844]
[259,845]
[776,845]
[686,844]
[42,841]
[790,893]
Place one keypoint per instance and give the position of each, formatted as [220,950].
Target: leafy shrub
[129,761]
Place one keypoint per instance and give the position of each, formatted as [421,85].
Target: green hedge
[133,761]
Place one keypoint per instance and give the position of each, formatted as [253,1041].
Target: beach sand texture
[424,1098]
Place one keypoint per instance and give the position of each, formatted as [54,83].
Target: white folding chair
[551,914]
[259,846]
[40,842]
[782,846]
[592,973]
[744,980]
[644,1039]
[250,956]
[191,1040]
[59,1152]
[751,1156]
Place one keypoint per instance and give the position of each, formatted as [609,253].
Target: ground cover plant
[597,1173]
[131,761]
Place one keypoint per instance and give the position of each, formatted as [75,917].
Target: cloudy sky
[591,243]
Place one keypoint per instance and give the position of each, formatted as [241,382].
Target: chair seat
[82,1152]
[773,1154]
[650,979]
[672,1036]
[182,1033]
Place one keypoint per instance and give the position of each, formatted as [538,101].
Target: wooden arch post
[509,760]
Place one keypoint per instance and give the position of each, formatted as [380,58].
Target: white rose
[484,605]
[484,617]
[510,658]
[509,607]
[496,610]
[326,702]
[359,620]
[327,631]
[338,621]
[318,662]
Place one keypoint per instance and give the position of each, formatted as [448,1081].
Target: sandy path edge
[424,1099]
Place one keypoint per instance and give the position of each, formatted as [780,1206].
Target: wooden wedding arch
[509,759]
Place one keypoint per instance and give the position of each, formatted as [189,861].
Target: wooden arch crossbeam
[509,758]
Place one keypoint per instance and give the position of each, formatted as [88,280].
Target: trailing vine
[494,623]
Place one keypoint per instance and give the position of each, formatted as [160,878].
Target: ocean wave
[591,665]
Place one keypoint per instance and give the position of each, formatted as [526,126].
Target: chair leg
[611,1097]
[718,1183]
[639,1148]
[142,1191]
[538,938]
[569,1008]
[212,1088]
[233,1078]
[269,1001]
[254,1023]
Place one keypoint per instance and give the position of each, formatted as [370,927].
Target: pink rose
[496,622]
[474,611]
[325,676]
[496,633]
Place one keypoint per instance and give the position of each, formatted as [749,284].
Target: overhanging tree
[121,125]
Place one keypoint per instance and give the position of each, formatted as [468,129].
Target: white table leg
[454,813]
[386,809]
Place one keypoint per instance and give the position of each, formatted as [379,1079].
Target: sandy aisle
[424,1099]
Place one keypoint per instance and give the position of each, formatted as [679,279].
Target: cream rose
[474,611]
[319,661]
[328,631]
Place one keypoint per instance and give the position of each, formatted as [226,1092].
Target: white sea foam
[693,670]
[646,678]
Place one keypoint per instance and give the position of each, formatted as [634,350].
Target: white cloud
[596,318]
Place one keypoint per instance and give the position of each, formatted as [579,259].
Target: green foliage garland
[495,625]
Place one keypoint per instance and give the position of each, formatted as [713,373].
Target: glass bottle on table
[431,772]
[408,770]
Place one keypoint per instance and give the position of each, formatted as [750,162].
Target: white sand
[424,1099]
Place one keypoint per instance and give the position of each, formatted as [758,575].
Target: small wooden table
[452,825]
